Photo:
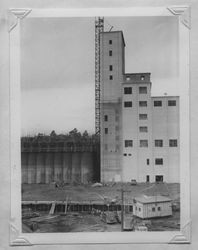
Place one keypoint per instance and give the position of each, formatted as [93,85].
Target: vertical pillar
[49,165]
[67,166]
[58,166]
[86,167]
[32,168]
[76,167]
[40,170]
[24,167]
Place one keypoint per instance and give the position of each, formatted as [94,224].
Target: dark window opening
[157,103]
[143,116]
[110,53]
[142,90]
[143,103]
[110,67]
[147,178]
[159,178]
[147,161]
[143,129]
[127,90]
[171,102]
[143,143]
[106,130]
[128,143]
[127,104]
[110,41]
[158,161]
[110,77]
[172,143]
[158,143]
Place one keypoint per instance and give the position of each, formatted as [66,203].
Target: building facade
[139,132]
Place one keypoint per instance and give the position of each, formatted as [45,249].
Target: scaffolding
[99,27]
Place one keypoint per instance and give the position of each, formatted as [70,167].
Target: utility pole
[122,207]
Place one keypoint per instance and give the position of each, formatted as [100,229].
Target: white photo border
[182,13]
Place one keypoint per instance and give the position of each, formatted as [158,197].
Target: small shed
[152,206]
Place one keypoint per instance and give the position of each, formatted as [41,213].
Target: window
[110,67]
[143,103]
[142,78]
[110,41]
[125,154]
[139,208]
[147,178]
[153,209]
[106,118]
[110,53]
[157,103]
[158,161]
[128,78]
[158,143]
[128,143]
[159,208]
[143,116]
[129,154]
[106,130]
[142,90]
[143,129]
[143,143]
[159,178]
[127,90]
[110,77]
[127,104]
[171,102]
[172,143]
[116,128]
[147,161]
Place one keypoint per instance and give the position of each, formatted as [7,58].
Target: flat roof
[152,199]
[118,31]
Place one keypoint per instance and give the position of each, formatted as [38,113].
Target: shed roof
[152,199]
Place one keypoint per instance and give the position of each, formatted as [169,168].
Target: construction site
[125,177]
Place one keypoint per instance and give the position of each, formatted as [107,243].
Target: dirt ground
[48,192]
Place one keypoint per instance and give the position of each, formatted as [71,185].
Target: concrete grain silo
[32,159]
[58,170]
[40,168]
[24,167]
[49,166]
[76,167]
[86,167]
[67,166]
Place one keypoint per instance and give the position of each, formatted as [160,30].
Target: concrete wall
[46,167]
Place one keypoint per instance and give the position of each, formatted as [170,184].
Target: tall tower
[112,71]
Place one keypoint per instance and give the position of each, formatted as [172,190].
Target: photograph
[100,124]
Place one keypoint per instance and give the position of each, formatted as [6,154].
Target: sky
[57,67]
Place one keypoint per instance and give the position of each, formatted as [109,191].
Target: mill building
[139,133]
